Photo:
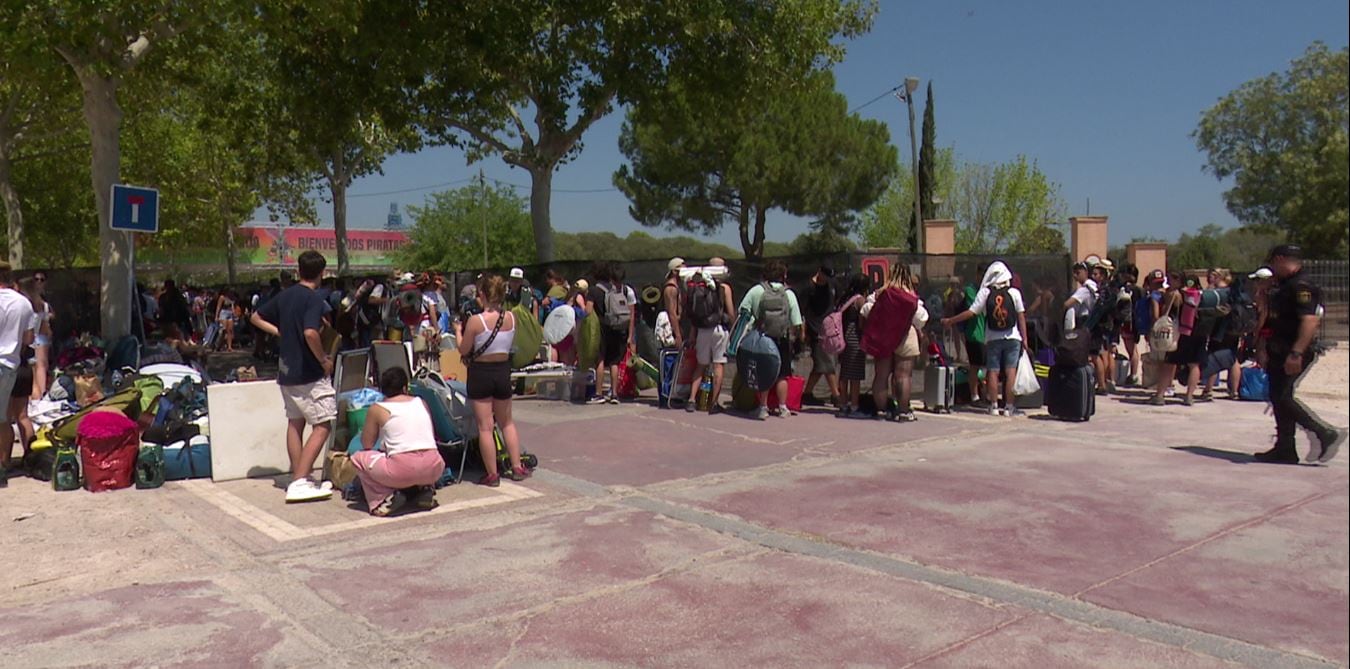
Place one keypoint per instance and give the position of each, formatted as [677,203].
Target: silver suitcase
[939,388]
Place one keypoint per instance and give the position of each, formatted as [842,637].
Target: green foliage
[1213,246]
[448,229]
[699,161]
[637,245]
[1009,207]
[1283,140]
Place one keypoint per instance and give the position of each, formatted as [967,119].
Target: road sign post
[134,209]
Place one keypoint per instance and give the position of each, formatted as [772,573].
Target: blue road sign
[134,209]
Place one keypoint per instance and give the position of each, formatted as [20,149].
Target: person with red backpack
[708,306]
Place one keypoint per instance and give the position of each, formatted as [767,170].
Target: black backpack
[704,304]
[1000,313]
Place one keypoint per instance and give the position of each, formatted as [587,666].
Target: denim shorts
[1002,354]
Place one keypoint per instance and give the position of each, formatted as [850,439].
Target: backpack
[1102,316]
[1242,315]
[999,309]
[1213,308]
[704,303]
[618,307]
[774,318]
[832,328]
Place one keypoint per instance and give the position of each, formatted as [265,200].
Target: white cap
[407,277]
[582,284]
[517,273]
[674,264]
[1263,273]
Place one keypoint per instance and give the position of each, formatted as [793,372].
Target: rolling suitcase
[939,387]
[1070,393]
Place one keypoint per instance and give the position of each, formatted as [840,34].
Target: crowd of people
[1150,333]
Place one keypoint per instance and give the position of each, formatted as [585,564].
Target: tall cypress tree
[927,161]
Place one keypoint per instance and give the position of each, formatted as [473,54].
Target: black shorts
[489,380]
[613,344]
[784,357]
[23,381]
[1191,350]
[975,352]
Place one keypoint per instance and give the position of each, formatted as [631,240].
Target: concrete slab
[1046,643]
[768,610]
[1282,582]
[188,623]
[1020,507]
[456,580]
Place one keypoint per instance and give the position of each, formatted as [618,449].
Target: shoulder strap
[501,318]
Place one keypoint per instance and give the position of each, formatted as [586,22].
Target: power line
[411,190]
[875,99]
[499,182]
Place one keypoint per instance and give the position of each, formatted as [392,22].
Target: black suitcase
[1070,392]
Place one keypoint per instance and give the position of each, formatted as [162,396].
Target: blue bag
[188,460]
[1255,385]
[758,361]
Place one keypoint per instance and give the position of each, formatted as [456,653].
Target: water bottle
[66,469]
[703,401]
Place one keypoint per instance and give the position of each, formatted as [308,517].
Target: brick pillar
[939,239]
[1147,256]
[1088,236]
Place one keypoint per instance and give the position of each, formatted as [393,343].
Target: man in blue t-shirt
[296,317]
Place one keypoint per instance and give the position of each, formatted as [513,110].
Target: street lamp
[907,95]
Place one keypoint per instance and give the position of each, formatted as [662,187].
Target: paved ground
[1144,538]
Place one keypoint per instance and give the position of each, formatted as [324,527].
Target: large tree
[344,72]
[105,43]
[526,80]
[928,182]
[1282,139]
[698,160]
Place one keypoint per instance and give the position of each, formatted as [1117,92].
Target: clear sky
[1104,95]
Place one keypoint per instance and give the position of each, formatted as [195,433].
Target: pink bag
[889,322]
[832,329]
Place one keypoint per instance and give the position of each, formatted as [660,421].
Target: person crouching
[408,463]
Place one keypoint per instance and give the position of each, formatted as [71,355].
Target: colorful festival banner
[265,245]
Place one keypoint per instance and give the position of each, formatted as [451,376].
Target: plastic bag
[1026,383]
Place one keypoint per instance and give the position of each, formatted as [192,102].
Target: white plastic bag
[1026,383]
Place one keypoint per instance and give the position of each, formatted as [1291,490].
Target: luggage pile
[108,422]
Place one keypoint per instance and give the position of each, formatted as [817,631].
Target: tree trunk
[338,187]
[13,211]
[760,216]
[743,222]
[104,117]
[231,269]
[541,194]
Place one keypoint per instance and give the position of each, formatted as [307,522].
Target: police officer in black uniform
[1292,317]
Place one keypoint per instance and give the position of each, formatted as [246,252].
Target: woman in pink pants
[408,463]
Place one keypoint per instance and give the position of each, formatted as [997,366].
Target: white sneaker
[304,490]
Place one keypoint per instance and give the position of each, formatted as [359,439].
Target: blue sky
[1104,95]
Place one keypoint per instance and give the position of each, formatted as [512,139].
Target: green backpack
[529,337]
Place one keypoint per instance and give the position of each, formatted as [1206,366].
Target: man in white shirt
[1084,298]
[16,332]
[1004,334]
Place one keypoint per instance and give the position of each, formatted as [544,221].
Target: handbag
[1164,336]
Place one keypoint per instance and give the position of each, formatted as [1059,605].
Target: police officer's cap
[1287,251]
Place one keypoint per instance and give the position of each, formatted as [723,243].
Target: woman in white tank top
[407,463]
[485,343]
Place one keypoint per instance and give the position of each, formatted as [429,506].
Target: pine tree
[927,160]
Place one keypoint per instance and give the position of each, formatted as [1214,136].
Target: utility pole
[911,85]
[482,213]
